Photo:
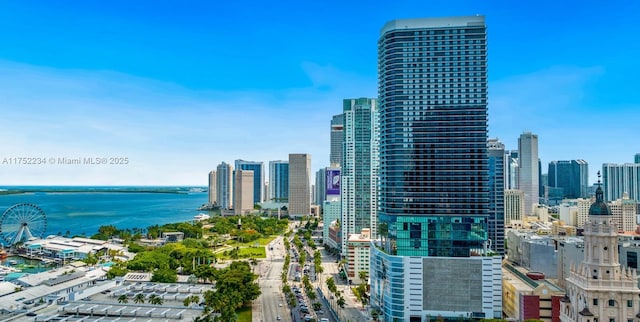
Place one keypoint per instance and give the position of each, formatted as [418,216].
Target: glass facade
[433,191]
[387,284]
[360,167]
[572,176]
[495,150]
[337,140]
[258,177]
[278,181]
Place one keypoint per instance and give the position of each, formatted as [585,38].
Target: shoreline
[93,190]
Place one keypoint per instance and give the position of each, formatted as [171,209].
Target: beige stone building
[242,191]
[599,289]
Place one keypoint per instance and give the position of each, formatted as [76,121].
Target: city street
[352,310]
[271,302]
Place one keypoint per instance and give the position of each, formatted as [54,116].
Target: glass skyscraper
[337,139]
[278,181]
[258,177]
[224,185]
[359,167]
[495,150]
[432,257]
[529,170]
[570,175]
[433,136]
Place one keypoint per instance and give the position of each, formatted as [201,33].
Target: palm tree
[139,298]
[123,299]
[155,300]
[363,276]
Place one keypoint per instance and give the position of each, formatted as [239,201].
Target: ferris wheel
[22,222]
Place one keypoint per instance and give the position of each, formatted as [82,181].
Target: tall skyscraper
[432,258]
[337,140]
[224,191]
[320,186]
[495,150]
[571,175]
[258,177]
[529,174]
[621,178]
[358,189]
[278,181]
[299,184]
[511,169]
[243,189]
[213,197]
[637,158]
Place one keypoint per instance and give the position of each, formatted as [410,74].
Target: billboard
[333,182]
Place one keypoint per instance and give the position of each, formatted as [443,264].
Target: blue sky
[179,87]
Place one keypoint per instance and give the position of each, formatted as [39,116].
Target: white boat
[200,217]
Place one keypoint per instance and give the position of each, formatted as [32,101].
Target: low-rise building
[358,252]
[529,295]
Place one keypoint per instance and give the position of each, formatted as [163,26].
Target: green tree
[235,286]
[136,248]
[164,276]
[117,270]
[123,299]
[363,275]
[155,299]
[91,259]
[139,298]
[341,302]
[316,306]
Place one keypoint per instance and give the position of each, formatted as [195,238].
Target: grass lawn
[245,252]
[263,241]
[244,314]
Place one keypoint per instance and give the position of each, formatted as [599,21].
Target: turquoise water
[84,212]
[26,265]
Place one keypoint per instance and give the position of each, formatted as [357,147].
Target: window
[595,301]
[629,303]
[612,303]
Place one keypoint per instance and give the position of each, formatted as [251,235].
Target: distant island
[99,189]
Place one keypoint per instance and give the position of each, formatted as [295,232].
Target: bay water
[82,210]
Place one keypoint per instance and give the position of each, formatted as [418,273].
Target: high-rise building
[495,150]
[543,179]
[330,213]
[621,178]
[320,186]
[572,176]
[278,181]
[243,191]
[433,191]
[511,169]
[513,208]
[212,188]
[623,213]
[299,184]
[358,190]
[258,177]
[327,187]
[598,288]
[529,174]
[337,140]
[224,191]
[637,158]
